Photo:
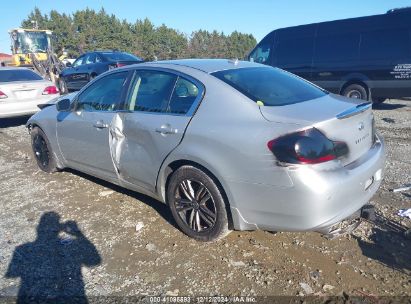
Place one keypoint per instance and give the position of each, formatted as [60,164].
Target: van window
[261,54]
[384,44]
[271,86]
[337,48]
[295,51]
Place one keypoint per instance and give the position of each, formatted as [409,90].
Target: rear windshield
[271,86]
[118,56]
[18,75]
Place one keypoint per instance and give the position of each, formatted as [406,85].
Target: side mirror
[68,64]
[63,105]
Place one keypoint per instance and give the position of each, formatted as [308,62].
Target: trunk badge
[361,126]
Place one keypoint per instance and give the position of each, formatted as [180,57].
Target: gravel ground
[79,233]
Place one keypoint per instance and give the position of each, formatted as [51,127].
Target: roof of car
[210,65]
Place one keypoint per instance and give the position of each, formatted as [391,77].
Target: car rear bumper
[316,200]
[22,108]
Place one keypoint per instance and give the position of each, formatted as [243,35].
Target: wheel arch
[359,79]
[32,123]
[168,169]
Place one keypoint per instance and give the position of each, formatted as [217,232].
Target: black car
[91,64]
[367,57]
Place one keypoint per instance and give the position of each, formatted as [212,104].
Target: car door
[83,133]
[158,109]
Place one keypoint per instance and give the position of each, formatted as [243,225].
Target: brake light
[2,95]
[306,147]
[115,65]
[50,90]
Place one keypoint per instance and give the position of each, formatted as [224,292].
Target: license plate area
[25,94]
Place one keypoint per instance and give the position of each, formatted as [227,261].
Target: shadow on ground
[388,106]
[389,244]
[50,267]
[13,122]
[162,209]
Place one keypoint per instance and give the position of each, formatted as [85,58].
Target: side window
[383,44]
[184,94]
[151,91]
[90,58]
[104,94]
[78,62]
[261,54]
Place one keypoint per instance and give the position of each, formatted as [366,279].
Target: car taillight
[306,147]
[115,65]
[50,90]
[2,95]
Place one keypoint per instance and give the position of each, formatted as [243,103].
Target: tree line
[86,30]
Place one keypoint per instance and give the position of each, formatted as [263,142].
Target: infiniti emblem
[360,126]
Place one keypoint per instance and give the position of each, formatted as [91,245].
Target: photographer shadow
[389,245]
[50,267]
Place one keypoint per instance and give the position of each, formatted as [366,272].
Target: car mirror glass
[63,105]
[68,64]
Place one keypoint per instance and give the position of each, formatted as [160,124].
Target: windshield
[32,42]
[118,56]
[18,75]
[270,86]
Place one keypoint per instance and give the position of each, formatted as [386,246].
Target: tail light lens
[306,147]
[115,65]
[50,90]
[2,95]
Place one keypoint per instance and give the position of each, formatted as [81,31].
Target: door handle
[166,129]
[100,124]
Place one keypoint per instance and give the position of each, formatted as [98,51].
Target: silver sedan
[21,90]
[226,144]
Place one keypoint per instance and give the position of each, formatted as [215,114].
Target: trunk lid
[23,90]
[337,117]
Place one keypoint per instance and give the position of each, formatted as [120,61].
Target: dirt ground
[40,246]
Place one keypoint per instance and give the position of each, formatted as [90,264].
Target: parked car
[226,144]
[21,90]
[91,64]
[367,58]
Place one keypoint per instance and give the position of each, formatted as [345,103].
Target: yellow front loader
[32,48]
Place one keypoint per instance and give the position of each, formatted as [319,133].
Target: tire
[202,216]
[63,87]
[42,151]
[357,91]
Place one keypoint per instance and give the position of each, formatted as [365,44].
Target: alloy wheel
[354,94]
[195,205]
[41,150]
